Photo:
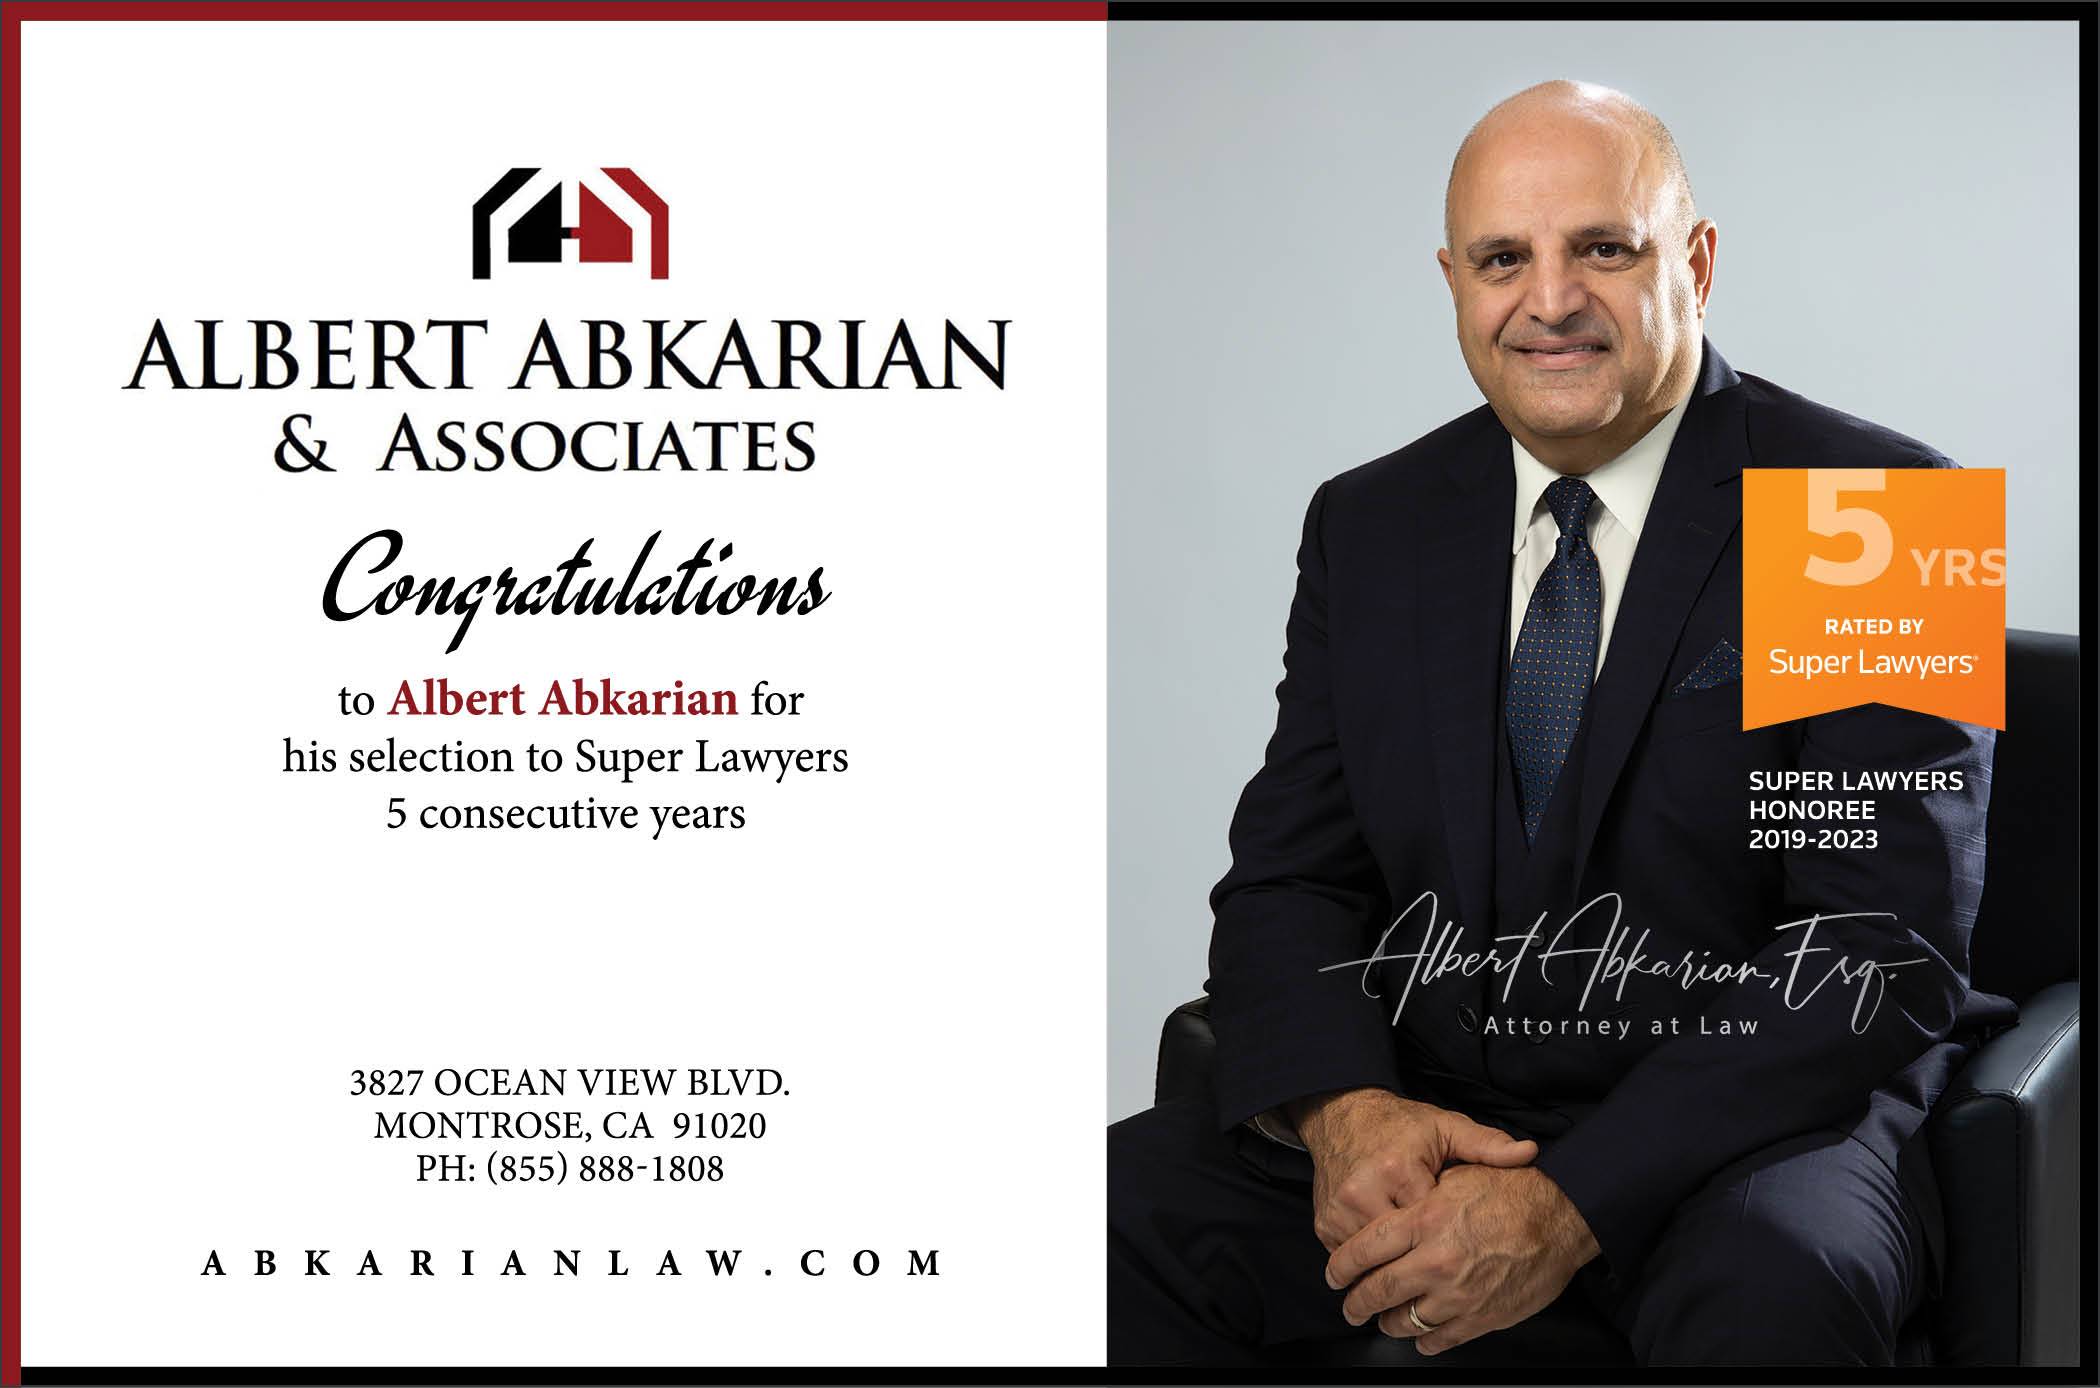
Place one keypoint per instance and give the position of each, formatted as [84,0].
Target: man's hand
[1482,1251]
[1374,1151]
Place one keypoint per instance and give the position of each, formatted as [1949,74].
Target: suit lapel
[1697,506]
[1464,588]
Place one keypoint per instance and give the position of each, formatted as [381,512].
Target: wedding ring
[1424,1326]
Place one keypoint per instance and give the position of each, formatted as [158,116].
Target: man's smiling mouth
[1574,352]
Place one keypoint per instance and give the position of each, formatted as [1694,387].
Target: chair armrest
[2005,1140]
[1187,1051]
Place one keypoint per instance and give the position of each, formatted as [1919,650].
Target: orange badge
[1874,585]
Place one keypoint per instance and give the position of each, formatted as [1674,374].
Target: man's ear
[1443,260]
[1699,250]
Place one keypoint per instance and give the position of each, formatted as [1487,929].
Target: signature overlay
[1623,956]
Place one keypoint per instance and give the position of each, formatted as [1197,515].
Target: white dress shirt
[1624,487]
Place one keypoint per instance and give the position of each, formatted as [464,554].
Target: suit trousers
[1808,1252]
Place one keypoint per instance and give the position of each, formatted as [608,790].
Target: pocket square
[1721,665]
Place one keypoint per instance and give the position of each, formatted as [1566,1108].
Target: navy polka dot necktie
[1549,674]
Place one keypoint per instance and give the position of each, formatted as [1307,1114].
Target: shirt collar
[1624,486]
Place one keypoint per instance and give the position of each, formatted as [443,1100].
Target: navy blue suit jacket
[1379,783]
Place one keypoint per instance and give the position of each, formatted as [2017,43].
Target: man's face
[1577,280]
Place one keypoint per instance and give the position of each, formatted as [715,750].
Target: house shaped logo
[606,218]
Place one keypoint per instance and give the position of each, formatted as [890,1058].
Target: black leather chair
[2004,1137]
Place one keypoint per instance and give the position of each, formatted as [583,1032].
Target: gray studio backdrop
[1899,238]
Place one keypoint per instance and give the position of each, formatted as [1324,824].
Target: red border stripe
[564,10]
[11,714]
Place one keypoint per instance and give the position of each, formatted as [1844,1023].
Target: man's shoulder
[1790,430]
[1410,467]
[1785,430]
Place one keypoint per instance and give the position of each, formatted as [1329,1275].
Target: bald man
[1510,1013]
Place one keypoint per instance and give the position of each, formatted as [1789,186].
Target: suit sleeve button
[1467,1017]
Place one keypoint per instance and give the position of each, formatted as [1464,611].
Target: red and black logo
[602,235]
